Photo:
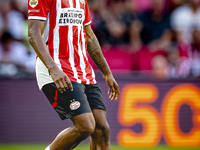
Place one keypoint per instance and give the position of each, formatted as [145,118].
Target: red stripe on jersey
[52,24]
[76,53]
[81,47]
[82,5]
[88,68]
[65,4]
[83,81]
[74,3]
[64,52]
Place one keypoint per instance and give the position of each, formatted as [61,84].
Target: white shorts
[42,74]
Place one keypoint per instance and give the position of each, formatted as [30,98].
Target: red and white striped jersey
[65,37]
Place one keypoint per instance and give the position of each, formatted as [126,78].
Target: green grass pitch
[83,147]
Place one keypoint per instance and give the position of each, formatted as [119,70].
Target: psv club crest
[75,105]
[33,3]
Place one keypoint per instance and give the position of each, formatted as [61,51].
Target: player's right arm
[37,14]
[35,30]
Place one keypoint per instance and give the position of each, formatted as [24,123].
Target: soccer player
[60,33]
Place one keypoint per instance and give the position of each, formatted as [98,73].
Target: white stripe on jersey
[36,18]
[46,30]
[71,54]
[84,50]
[71,3]
[93,75]
[85,55]
[86,24]
[82,63]
[71,48]
[56,38]
[78,4]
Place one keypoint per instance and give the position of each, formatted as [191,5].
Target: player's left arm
[94,50]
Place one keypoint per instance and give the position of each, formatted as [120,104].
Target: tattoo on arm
[94,50]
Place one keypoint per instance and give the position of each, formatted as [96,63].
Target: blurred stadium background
[153,49]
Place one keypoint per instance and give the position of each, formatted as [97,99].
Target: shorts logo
[75,105]
[33,3]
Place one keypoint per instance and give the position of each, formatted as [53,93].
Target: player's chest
[71,12]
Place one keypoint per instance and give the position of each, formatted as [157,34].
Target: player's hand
[113,87]
[61,80]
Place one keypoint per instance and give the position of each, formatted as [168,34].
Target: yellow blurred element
[131,113]
[176,97]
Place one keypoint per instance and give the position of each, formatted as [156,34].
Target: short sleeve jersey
[65,36]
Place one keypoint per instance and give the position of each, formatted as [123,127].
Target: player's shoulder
[34,3]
